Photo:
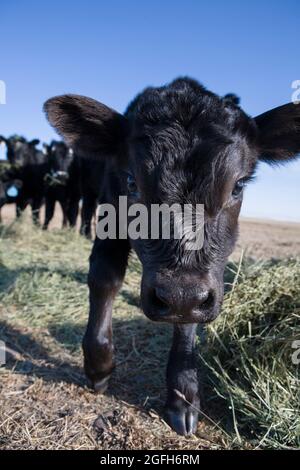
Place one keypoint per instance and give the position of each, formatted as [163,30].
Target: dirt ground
[268,239]
[259,239]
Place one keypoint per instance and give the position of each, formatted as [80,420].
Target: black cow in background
[62,183]
[55,175]
[30,167]
[71,178]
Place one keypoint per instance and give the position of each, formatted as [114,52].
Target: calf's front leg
[182,381]
[73,210]
[21,205]
[64,207]
[108,263]
[49,211]
[89,205]
[35,209]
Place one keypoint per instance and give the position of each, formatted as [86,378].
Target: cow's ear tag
[12,191]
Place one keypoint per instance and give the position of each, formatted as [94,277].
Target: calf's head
[20,151]
[185,145]
[59,160]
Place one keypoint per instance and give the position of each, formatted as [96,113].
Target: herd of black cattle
[54,174]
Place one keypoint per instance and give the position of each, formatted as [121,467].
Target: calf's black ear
[279,133]
[34,142]
[231,98]
[89,127]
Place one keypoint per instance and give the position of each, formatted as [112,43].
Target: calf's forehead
[174,153]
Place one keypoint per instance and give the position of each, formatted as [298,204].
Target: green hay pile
[249,356]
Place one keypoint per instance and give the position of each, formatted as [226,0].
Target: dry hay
[248,381]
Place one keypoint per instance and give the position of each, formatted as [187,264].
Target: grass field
[250,386]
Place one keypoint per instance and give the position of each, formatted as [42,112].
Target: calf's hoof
[98,379]
[98,364]
[183,421]
[181,414]
[99,386]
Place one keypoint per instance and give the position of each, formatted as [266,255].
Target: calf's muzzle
[180,298]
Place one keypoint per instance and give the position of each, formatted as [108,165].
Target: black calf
[61,183]
[30,166]
[178,144]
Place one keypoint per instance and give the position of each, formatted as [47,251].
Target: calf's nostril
[159,301]
[205,299]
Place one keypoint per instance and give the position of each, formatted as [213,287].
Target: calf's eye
[238,188]
[131,185]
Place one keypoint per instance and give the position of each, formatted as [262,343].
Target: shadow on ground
[141,355]
[27,355]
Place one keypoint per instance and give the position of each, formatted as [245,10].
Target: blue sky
[111,50]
